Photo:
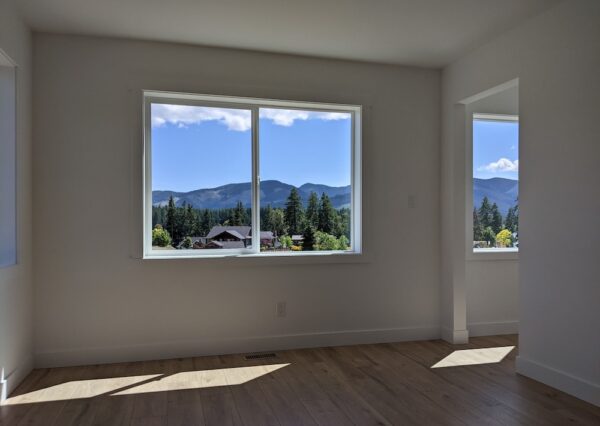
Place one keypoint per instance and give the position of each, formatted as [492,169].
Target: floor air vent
[259,356]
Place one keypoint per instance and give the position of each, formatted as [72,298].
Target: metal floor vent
[259,356]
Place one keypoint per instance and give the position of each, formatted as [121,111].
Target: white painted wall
[16,295]
[492,292]
[556,57]
[95,302]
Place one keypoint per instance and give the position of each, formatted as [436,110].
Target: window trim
[9,202]
[474,254]
[254,105]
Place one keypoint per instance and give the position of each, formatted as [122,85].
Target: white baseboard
[11,380]
[189,348]
[456,337]
[493,328]
[576,386]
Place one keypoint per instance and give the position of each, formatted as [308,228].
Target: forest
[490,229]
[321,226]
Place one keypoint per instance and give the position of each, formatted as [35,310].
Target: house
[235,237]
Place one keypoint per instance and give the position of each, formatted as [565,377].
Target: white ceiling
[411,32]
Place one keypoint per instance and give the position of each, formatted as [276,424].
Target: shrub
[160,237]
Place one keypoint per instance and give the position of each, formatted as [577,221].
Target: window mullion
[255,182]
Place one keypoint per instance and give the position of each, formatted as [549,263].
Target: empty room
[271,212]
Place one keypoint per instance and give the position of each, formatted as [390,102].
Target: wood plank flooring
[383,384]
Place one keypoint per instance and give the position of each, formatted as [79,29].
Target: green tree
[265,219]
[509,222]
[496,218]
[343,243]
[160,236]
[206,222]
[294,214]
[503,238]
[343,223]
[171,220]
[489,236]
[189,221]
[325,241]
[485,213]
[286,241]
[186,243]
[312,210]
[477,227]
[326,215]
[309,242]
[238,215]
[277,222]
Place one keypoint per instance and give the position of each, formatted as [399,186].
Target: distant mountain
[272,192]
[503,192]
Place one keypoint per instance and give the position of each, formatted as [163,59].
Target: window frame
[9,193]
[511,253]
[253,105]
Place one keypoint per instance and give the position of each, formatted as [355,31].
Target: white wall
[16,297]
[556,57]
[95,302]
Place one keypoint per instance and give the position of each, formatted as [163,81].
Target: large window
[8,222]
[495,182]
[239,176]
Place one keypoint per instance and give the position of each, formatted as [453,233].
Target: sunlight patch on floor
[474,357]
[203,379]
[78,389]
[81,389]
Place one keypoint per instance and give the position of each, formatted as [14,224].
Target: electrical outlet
[281,309]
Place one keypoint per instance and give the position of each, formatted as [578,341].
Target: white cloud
[183,115]
[286,117]
[502,165]
[234,119]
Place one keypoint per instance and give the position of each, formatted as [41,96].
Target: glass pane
[306,175]
[495,184]
[201,178]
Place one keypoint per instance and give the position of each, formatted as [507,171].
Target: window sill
[493,254]
[268,258]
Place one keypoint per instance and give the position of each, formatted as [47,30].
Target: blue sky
[195,147]
[495,149]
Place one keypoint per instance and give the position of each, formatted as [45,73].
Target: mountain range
[503,192]
[272,192]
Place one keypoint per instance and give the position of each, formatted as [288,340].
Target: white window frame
[253,105]
[9,256]
[483,253]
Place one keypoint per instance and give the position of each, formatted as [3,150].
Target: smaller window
[495,182]
[8,225]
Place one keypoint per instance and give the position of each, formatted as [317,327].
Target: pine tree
[294,214]
[238,215]
[326,215]
[206,222]
[477,227]
[509,222]
[265,219]
[308,242]
[188,221]
[485,210]
[312,210]
[171,220]
[496,224]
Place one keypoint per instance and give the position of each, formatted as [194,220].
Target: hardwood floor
[383,384]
